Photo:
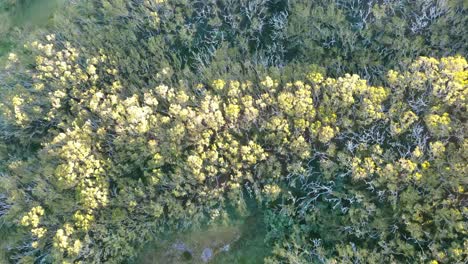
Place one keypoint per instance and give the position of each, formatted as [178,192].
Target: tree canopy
[344,120]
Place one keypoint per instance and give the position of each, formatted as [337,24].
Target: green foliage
[376,195]
[139,118]
[21,20]
[13,4]
[198,37]
[371,37]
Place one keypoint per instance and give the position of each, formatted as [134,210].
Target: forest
[233,131]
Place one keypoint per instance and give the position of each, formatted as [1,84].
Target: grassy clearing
[20,21]
[245,238]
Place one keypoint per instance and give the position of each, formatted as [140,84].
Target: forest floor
[241,242]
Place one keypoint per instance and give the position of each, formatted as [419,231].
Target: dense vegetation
[345,122]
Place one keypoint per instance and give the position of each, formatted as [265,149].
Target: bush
[377,194]
[143,117]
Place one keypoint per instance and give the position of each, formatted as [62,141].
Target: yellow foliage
[177,141]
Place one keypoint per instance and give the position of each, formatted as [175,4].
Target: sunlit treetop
[110,155]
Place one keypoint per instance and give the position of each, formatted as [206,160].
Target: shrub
[142,117]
